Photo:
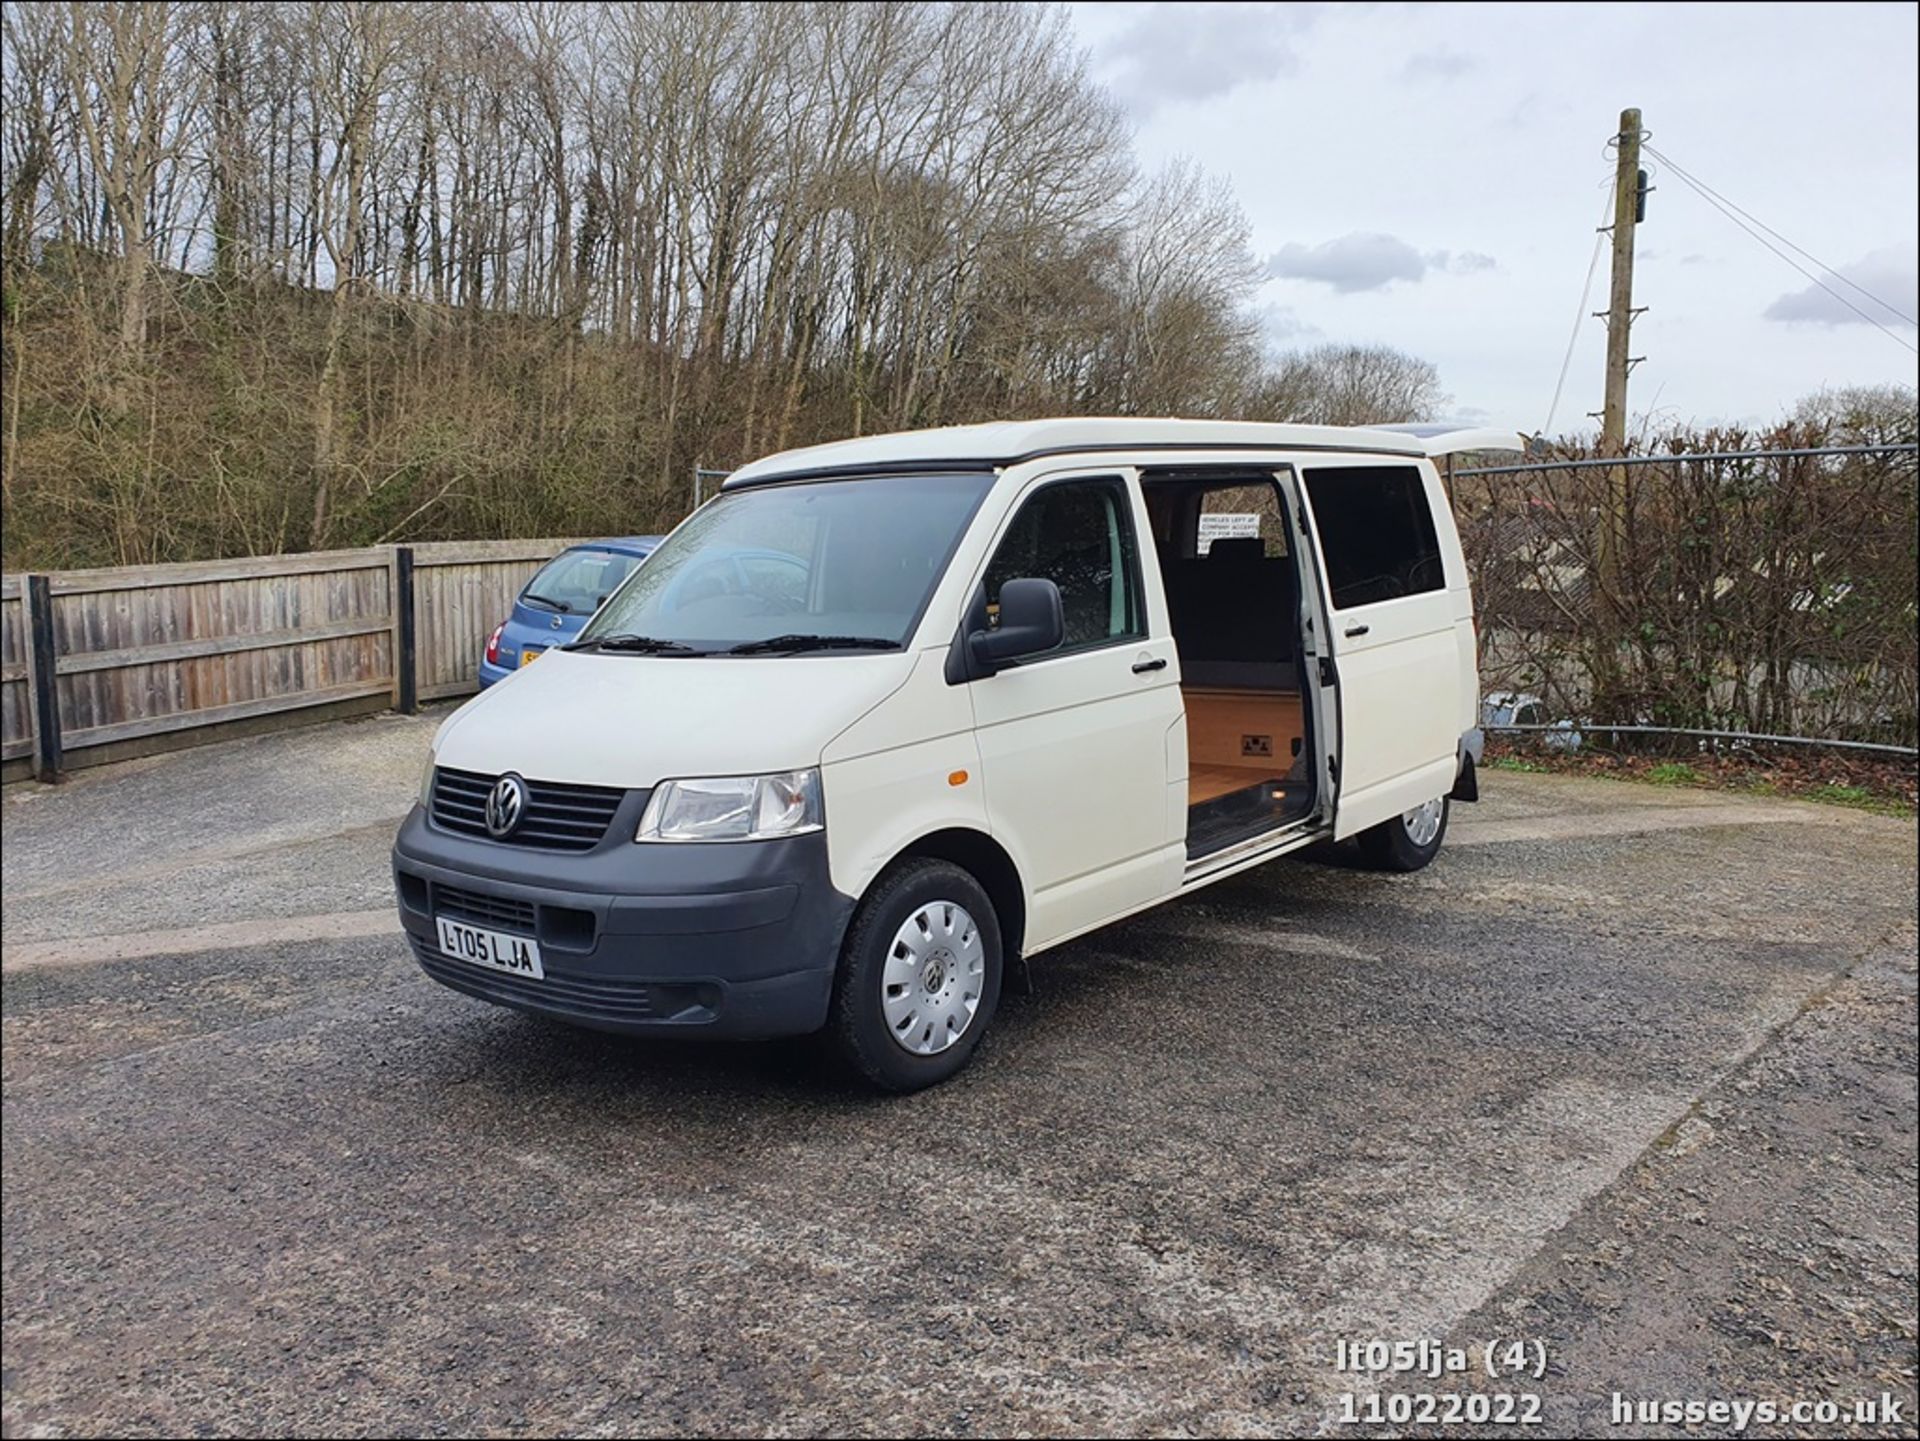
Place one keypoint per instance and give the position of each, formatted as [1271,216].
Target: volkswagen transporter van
[967,694]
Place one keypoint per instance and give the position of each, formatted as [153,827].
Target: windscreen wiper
[793,644]
[634,644]
[548,601]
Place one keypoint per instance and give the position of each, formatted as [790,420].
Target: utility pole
[1628,203]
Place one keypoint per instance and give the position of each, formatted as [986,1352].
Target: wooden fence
[16,691]
[97,665]
[462,590]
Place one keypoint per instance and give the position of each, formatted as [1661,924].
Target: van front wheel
[919,976]
[1409,841]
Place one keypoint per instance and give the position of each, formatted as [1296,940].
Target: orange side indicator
[957,778]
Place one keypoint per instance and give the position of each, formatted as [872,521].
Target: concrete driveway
[1630,1072]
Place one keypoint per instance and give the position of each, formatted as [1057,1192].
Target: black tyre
[919,976]
[1407,842]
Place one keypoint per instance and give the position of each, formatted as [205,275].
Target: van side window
[1079,535]
[1376,533]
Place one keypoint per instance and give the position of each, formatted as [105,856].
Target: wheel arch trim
[988,862]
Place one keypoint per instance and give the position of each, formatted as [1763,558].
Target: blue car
[559,600]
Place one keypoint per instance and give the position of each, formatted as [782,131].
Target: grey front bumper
[728,939]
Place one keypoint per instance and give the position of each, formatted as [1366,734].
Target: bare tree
[1863,414]
[358,45]
[334,271]
[125,72]
[1348,385]
[1188,342]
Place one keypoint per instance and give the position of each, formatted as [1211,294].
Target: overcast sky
[1430,176]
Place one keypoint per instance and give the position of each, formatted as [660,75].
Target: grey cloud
[1363,261]
[1188,53]
[1893,274]
[1353,262]
[1438,65]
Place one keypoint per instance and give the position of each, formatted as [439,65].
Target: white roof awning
[1439,440]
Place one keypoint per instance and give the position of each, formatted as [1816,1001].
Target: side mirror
[1031,623]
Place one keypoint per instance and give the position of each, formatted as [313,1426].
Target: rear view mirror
[1031,623]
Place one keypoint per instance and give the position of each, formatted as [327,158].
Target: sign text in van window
[1236,512]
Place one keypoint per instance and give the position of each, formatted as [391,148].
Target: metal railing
[1609,462]
[1733,737]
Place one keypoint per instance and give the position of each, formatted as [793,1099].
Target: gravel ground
[1764,1246]
[1629,1072]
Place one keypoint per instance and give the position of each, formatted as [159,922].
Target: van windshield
[790,569]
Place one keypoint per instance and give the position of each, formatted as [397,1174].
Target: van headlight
[734,808]
[426,781]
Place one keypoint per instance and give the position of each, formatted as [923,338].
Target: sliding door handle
[1354,630]
[1141,667]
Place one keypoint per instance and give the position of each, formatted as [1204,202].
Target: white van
[887,714]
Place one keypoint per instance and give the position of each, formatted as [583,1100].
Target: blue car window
[576,581]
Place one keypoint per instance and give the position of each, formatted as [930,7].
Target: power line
[1702,185]
[1573,339]
[1898,340]
[1716,204]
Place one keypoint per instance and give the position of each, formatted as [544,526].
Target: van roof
[999,443]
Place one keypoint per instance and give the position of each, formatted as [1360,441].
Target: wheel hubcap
[1423,822]
[935,973]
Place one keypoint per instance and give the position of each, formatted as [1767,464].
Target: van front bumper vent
[555,817]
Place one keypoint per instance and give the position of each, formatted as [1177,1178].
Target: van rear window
[1376,533]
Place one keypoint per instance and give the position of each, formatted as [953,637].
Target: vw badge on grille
[506,802]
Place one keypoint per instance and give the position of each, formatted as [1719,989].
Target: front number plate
[493,949]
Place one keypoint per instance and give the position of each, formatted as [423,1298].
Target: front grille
[557,817]
[483,910]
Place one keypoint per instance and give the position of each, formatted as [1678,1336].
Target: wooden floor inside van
[1241,748]
[1205,783]
[1238,738]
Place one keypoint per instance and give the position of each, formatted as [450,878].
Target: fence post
[46,698]
[406,653]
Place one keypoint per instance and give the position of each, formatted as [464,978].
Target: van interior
[1233,596]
